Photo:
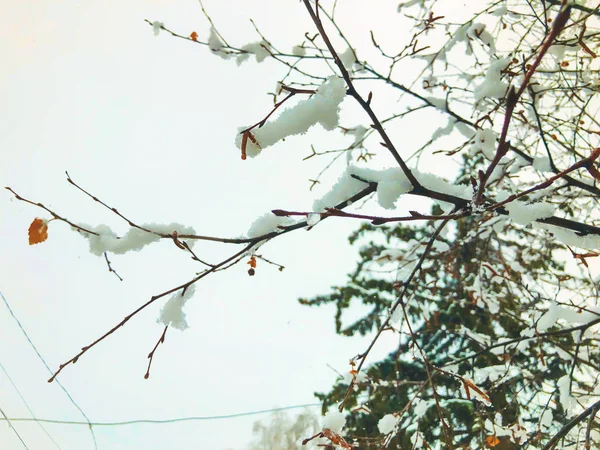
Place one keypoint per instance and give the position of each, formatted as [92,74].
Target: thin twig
[161,340]
[110,268]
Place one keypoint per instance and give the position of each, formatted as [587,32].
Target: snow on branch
[322,108]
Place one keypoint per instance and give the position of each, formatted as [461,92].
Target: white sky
[147,124]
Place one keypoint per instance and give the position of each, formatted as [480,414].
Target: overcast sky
[147,124]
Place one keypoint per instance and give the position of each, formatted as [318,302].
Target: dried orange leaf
[466,386]
[252,262]
[244,143]
[194,36]
[469,384]
[38,231]
[492,441]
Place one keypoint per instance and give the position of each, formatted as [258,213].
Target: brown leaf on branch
[335,439]
[468,384]
[38,231]
[245,136]
[194,36]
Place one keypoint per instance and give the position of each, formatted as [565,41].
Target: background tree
[281,432]
[496,325]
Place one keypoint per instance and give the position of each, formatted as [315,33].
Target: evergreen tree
[485,282]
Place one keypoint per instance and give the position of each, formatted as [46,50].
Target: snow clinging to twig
[172,313]
[323,108]
[134,240]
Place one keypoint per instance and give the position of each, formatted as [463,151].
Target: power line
[160,421]
[88,422]
[27,405]
[14,429]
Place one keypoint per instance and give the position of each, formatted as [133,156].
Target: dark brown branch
[56,216]
[236,257]
[512,99]
[74,359]
[366,106]
[161,340]
[397,303]
[587,162]
[375,220]
[571,181]
[114,210]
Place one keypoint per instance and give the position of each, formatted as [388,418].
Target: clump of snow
[546,420]
[157,26]
[485,142]
[549,318]
[387,423]
[524,213]
[267,223]
[260,50]
[348,58]
[389,254]
[214,41]
[298,50]
[558,51]
[499,12]
[444,131]
[421,406]
[569,315]
[360,377]
[478,31]
[492,85]
[567,400]
[334,420]
[493,373]
[460,35]
[497,428]
[358,132]
[323,108]
[438,184]
[417,439]
[439,103]
[391,183]
[172,312]
[542,164]
[465,130]
[569,237]
[446,207]
[344,188]
[134,240]
[313,219]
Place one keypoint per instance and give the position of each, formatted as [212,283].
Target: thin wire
[14,429]
[27,405]
[88,422]
[160,421]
